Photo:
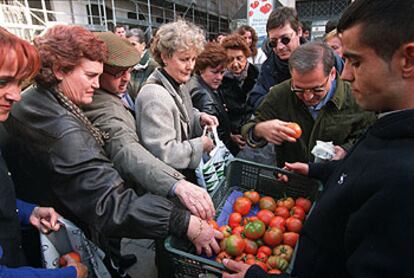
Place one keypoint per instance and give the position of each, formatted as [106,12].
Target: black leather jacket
[57,162]
[212,103]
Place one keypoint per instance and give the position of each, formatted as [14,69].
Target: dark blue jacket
[12,212]
[363,223]
[274,71]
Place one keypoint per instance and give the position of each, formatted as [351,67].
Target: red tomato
[234,219]
[286,202]
[235,245]
[261,256]
[265,249]
[268,203]
[265,216]
[74,255]
[290,238]
[283,212]
[298,212]
[250,261]
[273,237]
[296,128]
[242,205]
[253,196]
[249,219]
[278,222]
[251,247]
[238,230]
[213,224]
[262,265]
[254,230]
[304,203]
[293,224]
[225,230]
[274,271]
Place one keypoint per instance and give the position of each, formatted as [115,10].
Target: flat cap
[121,53]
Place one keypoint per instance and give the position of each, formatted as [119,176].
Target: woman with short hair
[204,89]
[167,124]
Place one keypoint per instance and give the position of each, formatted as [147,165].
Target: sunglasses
[316,90]
[116,72]
[284,39]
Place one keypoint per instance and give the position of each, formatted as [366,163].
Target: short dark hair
[213,56]
[117,26]
[308,56]
[282,15]
[137,33]
[386,24]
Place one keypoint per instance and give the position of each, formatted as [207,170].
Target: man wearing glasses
[285,35]
[315,98]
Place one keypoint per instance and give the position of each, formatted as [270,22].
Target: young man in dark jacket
[362,225]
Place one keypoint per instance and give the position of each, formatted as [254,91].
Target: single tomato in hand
[296,128]
[74,255]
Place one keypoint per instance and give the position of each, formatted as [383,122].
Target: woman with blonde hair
[167,124]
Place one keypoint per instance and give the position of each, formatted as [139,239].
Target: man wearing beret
[113,111]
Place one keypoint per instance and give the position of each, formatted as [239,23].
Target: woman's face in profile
[9,87]
[80,84]
[180,65]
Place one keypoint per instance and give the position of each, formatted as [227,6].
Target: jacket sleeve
[156,115]
[85,181]
[130,158]
[264,112]
[30,272]
[262,86]
[24,210]
[362,120]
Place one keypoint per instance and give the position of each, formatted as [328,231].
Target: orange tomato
[296,128]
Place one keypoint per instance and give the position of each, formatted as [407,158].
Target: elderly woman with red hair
[19,61]
[62,152]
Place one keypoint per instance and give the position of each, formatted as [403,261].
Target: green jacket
[137,166]
[340,121]
[140,74]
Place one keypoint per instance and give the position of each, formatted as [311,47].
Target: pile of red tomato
[266,239]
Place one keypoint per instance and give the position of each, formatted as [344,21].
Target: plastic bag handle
[216,137]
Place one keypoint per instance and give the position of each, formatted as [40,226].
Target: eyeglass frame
[284,39]
[318,90]
[116,72]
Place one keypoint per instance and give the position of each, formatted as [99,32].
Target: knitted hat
[121,53]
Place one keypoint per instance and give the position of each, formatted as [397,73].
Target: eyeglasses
[116,72]
[316,90]
[284,39]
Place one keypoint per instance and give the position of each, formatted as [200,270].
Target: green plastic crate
[241,175]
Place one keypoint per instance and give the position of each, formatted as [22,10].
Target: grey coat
[136,165]
[167,124]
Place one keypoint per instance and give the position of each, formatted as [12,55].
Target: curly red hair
[28,61]
[62,47]
[214,55]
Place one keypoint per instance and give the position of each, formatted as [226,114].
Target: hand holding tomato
[296,128]
[274,131]
[73,259]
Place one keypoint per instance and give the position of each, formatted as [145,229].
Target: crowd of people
[110,131]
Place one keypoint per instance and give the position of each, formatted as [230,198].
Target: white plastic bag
[210,172]
[70,238]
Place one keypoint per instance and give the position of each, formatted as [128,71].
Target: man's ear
[407,60]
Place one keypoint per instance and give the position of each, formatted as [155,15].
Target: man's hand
[297,167]
[81,269]
[340,153]
[208,120]
[203,236]
[238,268]
[195,199]
[274,131]
[238,139]
[45,219]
